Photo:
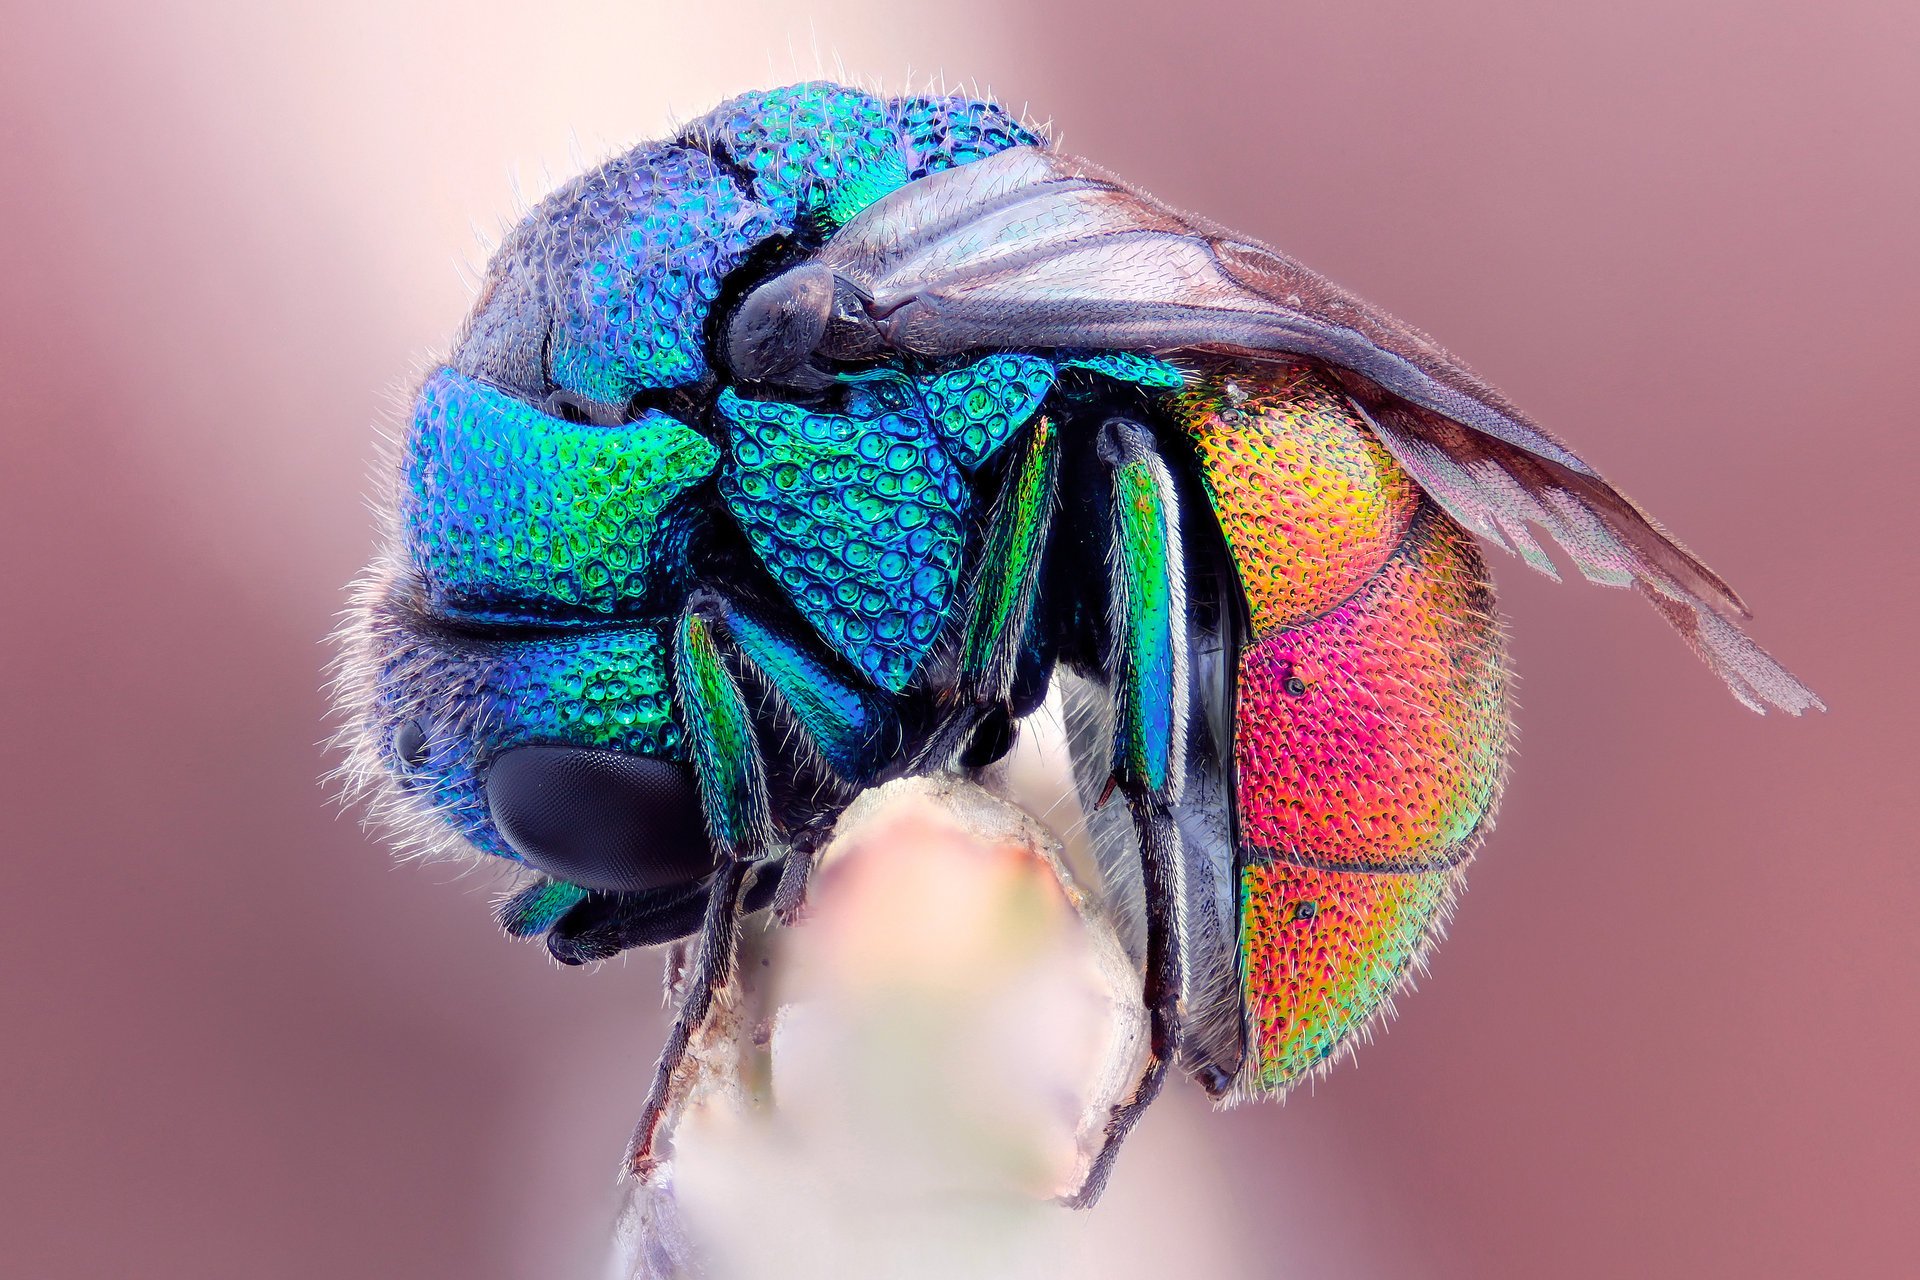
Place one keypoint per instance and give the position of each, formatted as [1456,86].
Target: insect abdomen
[1371,723]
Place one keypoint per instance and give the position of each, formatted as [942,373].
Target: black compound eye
[1295,686]
[600,819]
[410,743]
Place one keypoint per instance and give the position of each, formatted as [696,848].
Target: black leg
[1148,672]
[719,934]
[732,777]
[794,878]
[1161,992]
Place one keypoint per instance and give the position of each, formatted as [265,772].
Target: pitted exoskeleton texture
[514,514]
[605,290]
[860,521]
[819,153]
[812,447]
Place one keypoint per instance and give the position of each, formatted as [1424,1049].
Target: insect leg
[841,728]
[724,652]
[732,777]
[1147,616]
[1008,581]
[1148,670]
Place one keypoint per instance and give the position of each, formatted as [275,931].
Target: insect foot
[913,1072]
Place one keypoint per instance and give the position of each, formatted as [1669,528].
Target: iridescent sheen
[940,132]
[859,520]
[1375,735]
[512,514]
[645,243]
[1148,627]
[977,408]
[844,723]
[819,153]
[1371,747]
[1310,502]
[1147,372]
[721,740]
[1009,574]
[605,550]
[1324,952]
[538,907]
[471,700]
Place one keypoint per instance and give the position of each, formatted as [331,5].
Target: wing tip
[1752,675]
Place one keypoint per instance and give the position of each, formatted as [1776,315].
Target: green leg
[1009,576]
[1147,585]
[732,777]
[725,749]
[1148,675]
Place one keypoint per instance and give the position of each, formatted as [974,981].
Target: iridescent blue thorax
[821,444]
[581,466]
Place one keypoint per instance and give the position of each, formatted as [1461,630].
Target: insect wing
[1030,249]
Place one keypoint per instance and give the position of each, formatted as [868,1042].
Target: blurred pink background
[1675,1028]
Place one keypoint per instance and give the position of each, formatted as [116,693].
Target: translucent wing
[1030,249]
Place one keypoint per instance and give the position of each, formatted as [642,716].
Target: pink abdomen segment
[1371,725]
[1370,748]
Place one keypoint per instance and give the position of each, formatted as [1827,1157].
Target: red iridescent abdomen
[1371,725]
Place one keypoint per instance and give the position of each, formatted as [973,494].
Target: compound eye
[600,819]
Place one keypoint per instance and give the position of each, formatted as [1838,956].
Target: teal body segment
[846,724]
[819,153]
[1147,372]
[860,521]
[539,907]
[512,513]
[815,153]
[977,408]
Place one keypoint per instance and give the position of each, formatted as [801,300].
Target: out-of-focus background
[1675,1028]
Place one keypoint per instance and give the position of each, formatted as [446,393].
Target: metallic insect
[814,446]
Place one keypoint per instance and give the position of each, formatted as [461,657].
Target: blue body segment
[977,408]
[646,246]
[846,724]
[860,521]
[472,700]
[514,514]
